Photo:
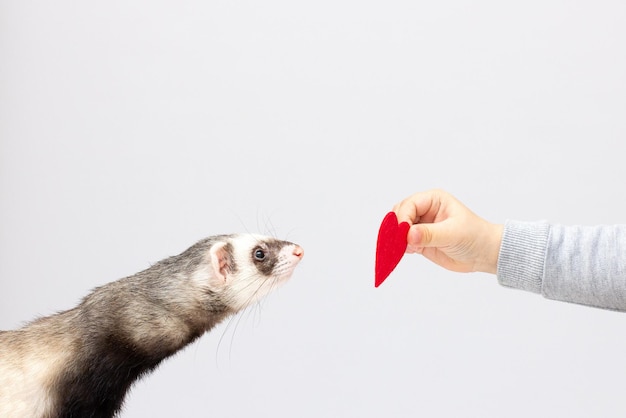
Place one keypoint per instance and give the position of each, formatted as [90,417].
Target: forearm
[585,265]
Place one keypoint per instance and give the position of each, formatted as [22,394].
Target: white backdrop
[130,129]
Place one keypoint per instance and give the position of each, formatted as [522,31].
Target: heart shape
[390,246]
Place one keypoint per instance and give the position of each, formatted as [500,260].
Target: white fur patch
[247,285]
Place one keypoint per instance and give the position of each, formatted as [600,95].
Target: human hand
[446,232]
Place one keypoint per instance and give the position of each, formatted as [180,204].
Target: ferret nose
[298,251]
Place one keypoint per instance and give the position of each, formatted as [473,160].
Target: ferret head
[246,267]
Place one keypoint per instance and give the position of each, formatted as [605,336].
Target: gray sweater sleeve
[579,264]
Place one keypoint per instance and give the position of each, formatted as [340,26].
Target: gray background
[131,129]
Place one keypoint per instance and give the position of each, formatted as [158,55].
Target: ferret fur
[81,362]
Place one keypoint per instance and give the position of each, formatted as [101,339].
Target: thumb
[429,235]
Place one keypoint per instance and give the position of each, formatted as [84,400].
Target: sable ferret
[81,362]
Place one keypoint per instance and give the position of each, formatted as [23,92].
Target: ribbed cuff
[522,255]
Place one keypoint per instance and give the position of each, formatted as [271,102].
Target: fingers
[413,239]
[422,236]
[422,207]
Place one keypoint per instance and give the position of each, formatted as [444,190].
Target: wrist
[492,242]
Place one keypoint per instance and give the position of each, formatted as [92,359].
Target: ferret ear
[220,263]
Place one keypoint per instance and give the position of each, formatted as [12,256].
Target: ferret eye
[259,254]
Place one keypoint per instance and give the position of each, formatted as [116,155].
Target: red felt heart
[390,246]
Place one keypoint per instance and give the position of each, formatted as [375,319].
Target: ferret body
[81,362]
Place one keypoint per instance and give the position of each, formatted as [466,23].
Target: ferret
[81,362]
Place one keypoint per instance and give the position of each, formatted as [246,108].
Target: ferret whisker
[230,322]
[259,301]
[259,304]
[219,342]
[239,316]
[288,234]
[269,226]
[232,336]
[243,225]
[258,224]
